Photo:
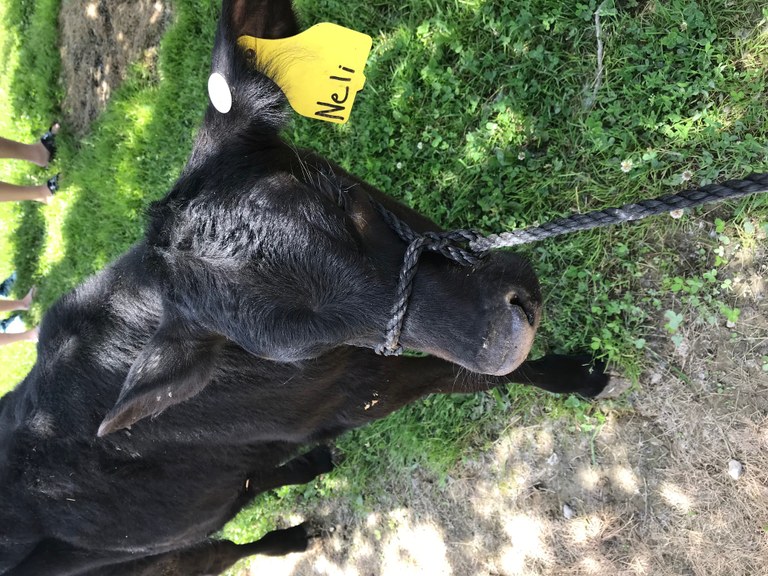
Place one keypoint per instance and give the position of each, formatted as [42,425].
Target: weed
[473,113]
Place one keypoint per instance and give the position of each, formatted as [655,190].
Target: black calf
[244,325]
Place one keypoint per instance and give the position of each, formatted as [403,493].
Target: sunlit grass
[474,113]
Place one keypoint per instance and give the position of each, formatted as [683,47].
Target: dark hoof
[280,542]
[338,457]
[314,529]
[594,377]
[579,374]
[321,459]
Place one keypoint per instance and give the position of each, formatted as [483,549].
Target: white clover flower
[626,165]
[686,175]
[521,156]
[420,145]
[399,165]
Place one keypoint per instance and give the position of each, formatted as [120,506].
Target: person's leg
[28,336]
[23,304]
[41,193]
[37,152]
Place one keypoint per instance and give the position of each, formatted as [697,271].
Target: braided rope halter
[467,247]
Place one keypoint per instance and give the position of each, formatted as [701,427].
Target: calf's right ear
[175,365]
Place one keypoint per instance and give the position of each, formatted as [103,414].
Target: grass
[480,114]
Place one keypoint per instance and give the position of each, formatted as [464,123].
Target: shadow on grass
[501,151]
[30,241]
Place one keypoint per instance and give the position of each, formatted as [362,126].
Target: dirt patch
[650,494]
[100,40]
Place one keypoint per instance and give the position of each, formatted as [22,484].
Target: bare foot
[44,196]
[26,302]
[32,335]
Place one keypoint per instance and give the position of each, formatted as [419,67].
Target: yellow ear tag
[320,70]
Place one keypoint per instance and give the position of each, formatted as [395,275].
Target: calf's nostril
[525,304]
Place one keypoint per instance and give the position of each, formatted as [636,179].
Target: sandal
[53,184]
[7,284]
[4,324]
[49,141]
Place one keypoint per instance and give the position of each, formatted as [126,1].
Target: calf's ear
[175,365]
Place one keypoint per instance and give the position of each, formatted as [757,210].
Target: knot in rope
[467,247]
[449,244]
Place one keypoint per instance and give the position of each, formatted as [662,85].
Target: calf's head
[285,254]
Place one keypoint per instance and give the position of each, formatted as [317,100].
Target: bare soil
[100,39]
[649,494]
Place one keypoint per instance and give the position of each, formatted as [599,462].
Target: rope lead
[451,244]
[731,190]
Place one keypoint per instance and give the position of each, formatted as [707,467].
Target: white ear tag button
[219,93]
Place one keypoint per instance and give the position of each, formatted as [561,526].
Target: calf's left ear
[175,365]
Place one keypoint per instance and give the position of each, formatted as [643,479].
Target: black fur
[243,325]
